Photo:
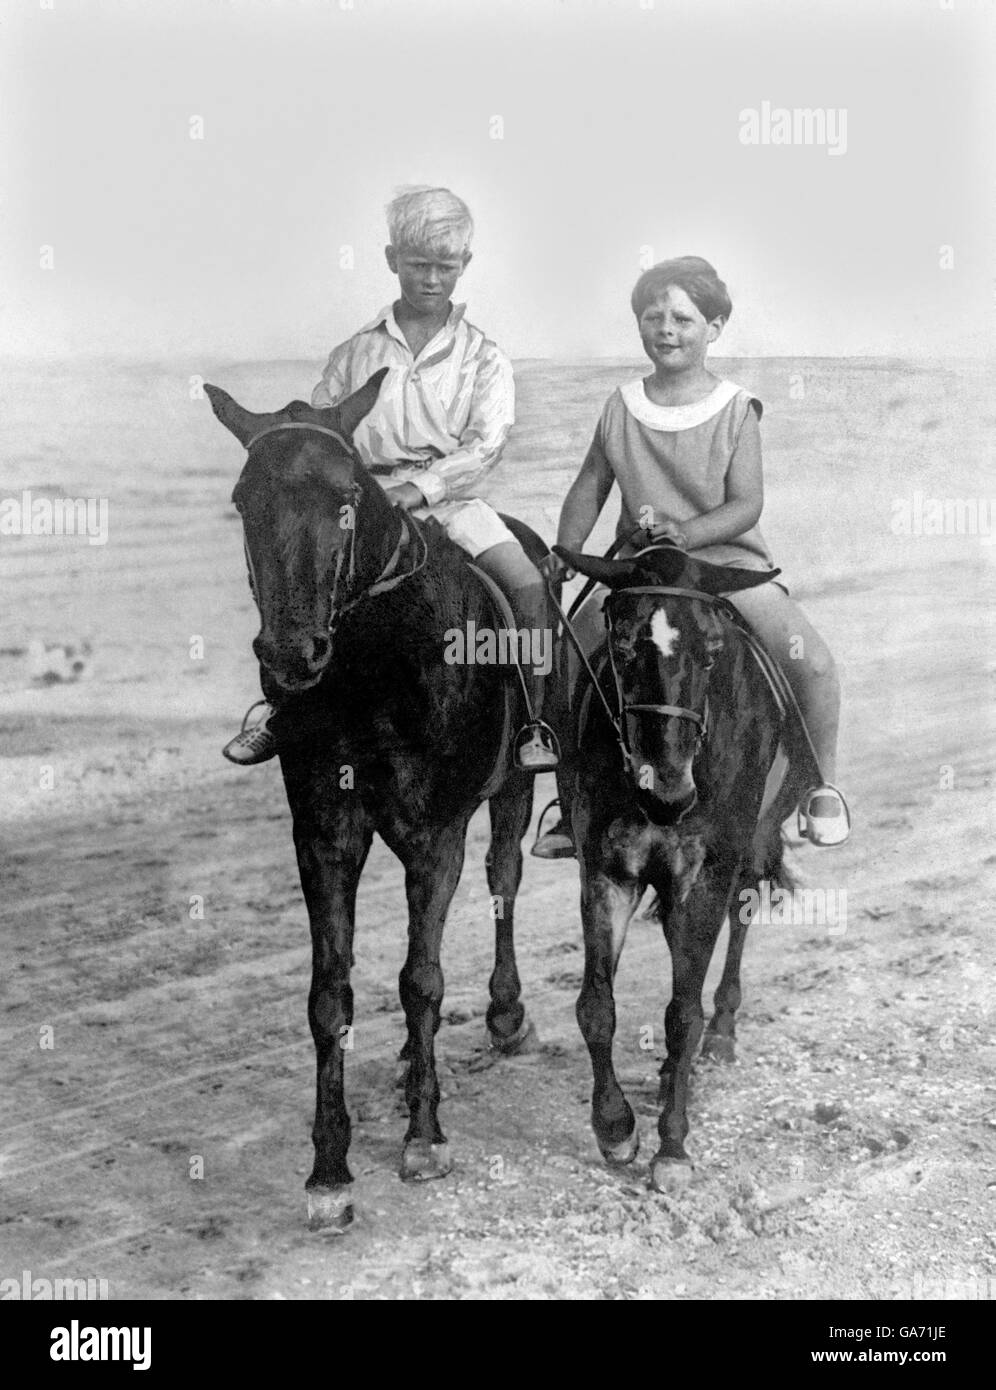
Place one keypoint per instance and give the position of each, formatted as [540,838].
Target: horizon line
[217,357]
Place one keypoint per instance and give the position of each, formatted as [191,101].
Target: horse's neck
[435,593]
[379,528]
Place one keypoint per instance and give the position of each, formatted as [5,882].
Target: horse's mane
[444,595]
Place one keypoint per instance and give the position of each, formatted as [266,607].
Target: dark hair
[693,275]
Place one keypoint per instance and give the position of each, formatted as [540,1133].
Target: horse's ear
[352,410]
[242,423]
[725,579]
[614,573]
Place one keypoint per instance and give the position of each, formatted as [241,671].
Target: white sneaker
[255,744]
[824,819]
[536,748]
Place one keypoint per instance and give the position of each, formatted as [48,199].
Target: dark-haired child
[685,449]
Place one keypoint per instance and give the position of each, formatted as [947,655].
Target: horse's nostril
[266,651]
[321,645]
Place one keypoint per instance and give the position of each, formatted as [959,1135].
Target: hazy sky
[621,137]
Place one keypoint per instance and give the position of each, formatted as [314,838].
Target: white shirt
[442,417]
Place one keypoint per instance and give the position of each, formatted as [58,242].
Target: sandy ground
[848,1153]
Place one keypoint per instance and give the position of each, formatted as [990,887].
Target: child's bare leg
[789,636]
[521,582]
[535,747]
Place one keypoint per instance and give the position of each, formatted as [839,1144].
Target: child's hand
[552,567]
[406,495]
[667,530]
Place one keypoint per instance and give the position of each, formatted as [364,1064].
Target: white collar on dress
[676,417]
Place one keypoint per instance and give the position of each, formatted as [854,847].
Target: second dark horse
[379,734]
[666,782]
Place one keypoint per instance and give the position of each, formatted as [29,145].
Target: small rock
[825,1112]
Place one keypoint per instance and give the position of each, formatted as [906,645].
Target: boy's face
[427,278]
[675,333]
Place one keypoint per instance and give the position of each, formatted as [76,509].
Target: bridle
[389,578]
[700,718]
[717,605]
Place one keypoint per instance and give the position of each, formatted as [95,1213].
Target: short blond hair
[429,219]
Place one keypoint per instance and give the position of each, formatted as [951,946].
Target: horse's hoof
[525,1039]
[718,1048]
[670,1175]
[422,1161]
[618,1155]
[330,1210]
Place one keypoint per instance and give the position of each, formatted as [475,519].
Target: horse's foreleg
[330,861]
[691,930]
[606,908]
[432,871]
[720,1036]
[509,1029]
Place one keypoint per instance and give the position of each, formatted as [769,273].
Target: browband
[301,425]
[664,589]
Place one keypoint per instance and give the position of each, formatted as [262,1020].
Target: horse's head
[665,635]
[298,496]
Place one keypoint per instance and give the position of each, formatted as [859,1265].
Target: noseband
[388,577]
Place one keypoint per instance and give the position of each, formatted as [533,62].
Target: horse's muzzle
[666,810]
[296,667]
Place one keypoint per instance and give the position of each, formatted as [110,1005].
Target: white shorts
[470,523]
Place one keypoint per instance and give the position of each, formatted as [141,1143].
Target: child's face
[676,335]
[427,278]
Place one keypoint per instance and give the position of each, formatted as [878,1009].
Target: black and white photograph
[497,663]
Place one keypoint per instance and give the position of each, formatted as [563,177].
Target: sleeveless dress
[675,458]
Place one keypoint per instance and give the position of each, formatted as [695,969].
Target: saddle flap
[504,617]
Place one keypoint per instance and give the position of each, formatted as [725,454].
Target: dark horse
[664,778]
[377,733]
